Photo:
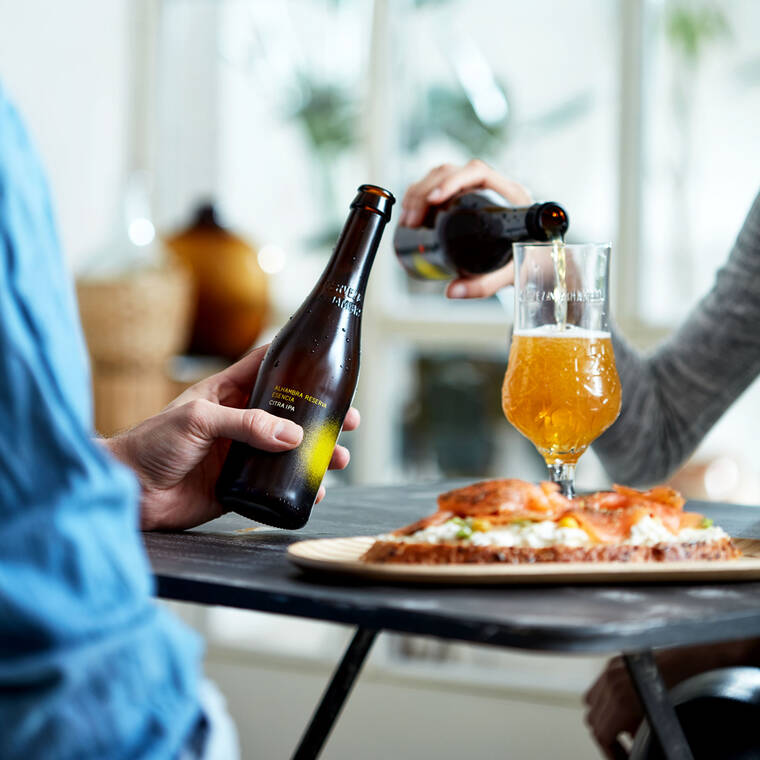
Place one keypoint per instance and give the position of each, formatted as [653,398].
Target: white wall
[185,143]
[67,65]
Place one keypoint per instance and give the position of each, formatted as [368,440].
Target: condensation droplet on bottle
[277,363]
[343,328]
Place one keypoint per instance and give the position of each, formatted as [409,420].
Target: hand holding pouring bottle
[472,234]
[309,375]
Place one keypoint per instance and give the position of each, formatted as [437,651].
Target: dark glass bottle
[472,234]
[309,375]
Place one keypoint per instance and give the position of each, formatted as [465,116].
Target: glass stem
[564,474]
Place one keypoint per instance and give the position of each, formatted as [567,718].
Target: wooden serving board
[341,555]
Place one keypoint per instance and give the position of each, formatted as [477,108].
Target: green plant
[691,28]
[449,112]
[327,114]
[329,119]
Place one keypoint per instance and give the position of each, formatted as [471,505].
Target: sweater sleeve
[673,397]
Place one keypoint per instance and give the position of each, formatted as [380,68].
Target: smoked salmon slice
[607,516]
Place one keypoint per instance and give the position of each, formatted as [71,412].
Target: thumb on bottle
[255,427]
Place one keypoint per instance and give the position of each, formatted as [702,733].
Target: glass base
[564,475]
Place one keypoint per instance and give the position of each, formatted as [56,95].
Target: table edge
[596,639]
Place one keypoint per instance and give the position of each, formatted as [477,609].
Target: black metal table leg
[658,708]
[324,717]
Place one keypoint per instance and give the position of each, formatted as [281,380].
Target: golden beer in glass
[561,389]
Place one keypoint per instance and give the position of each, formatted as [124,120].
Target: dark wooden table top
[219,564]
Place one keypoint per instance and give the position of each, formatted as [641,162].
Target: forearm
[672,398]
[679,664]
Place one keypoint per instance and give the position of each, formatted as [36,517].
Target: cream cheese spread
[649,531]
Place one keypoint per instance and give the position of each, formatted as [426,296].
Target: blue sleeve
[89,666]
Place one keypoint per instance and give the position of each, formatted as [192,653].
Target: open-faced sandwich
[514,521]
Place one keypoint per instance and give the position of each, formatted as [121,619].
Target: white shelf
[430,320]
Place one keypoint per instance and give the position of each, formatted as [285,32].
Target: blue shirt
[89,666]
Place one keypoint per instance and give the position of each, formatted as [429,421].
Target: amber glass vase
[232,289]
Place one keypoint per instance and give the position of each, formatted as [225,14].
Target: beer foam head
[555,331]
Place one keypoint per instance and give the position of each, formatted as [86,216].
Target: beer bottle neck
[546,221]
[348,270]
[540,221]
[477,238]
[484,215]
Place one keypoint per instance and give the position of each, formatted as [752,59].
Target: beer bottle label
[428,269]
[320,429]
[316,450]
[345,297]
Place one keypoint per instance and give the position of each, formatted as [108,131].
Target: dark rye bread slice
[459,552]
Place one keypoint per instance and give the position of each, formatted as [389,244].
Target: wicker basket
[142,319]
[123,397]
[133,325]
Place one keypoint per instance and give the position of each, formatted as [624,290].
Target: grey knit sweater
[672,397]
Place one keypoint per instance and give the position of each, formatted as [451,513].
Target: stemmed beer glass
[561,389]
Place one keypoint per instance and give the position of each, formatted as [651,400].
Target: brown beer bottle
[309,375]
[472,233]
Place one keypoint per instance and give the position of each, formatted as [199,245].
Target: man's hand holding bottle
[178,453]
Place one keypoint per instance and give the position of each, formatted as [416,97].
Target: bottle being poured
[472,234]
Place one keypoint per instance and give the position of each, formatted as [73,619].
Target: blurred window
[700,163]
